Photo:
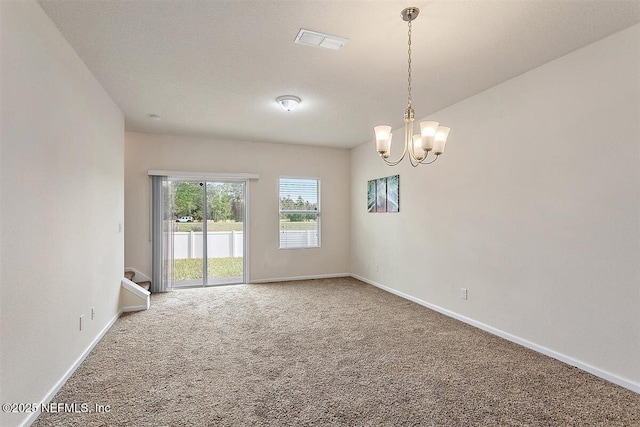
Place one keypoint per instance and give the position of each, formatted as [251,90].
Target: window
[299,213]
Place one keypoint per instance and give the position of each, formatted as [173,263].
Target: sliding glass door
[206,223]
[224,229]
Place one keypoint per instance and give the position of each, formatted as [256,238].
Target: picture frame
[383,194]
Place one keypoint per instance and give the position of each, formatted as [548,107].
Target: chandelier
[432,137]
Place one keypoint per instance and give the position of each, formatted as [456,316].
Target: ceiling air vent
[313,38]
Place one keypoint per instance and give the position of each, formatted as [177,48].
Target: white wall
[270,161]
[535,208]
[62,195]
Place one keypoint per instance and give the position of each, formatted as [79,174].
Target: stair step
[145,285]
[129,274]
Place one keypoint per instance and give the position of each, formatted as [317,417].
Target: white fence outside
[227,244]
[298,239]
[220,244]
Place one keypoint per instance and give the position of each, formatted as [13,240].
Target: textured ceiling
[214,68]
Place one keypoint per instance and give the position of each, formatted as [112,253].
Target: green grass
[189,269]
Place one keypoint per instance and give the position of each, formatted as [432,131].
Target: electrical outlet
[463,293]
[81,318]
[265,266]
[93,312]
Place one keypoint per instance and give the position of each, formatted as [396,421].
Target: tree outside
[187,199]
[288,204]
[224,201]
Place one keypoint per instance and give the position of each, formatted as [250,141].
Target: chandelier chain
[409,69]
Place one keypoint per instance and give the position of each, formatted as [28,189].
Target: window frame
[317,212]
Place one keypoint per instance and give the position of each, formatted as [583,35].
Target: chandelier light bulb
[440,139]
[428,132]
[383,140]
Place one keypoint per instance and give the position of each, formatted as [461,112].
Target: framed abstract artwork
[371,196]
[383,194]
[393,193]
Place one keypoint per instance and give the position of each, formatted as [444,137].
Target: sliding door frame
[246,178]
[245,229]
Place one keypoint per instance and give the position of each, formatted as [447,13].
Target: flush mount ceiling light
[288,102]
[432,137]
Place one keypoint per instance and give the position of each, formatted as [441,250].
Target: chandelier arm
[422,162]
[396,162]
[413,161]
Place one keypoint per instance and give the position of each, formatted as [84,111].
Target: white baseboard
[289,279]
[623,382]
[58,385]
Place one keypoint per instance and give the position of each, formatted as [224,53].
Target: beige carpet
[324,352]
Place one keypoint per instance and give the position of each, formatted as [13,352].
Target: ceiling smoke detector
[313,38]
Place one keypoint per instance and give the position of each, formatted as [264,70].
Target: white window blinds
[299,213]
